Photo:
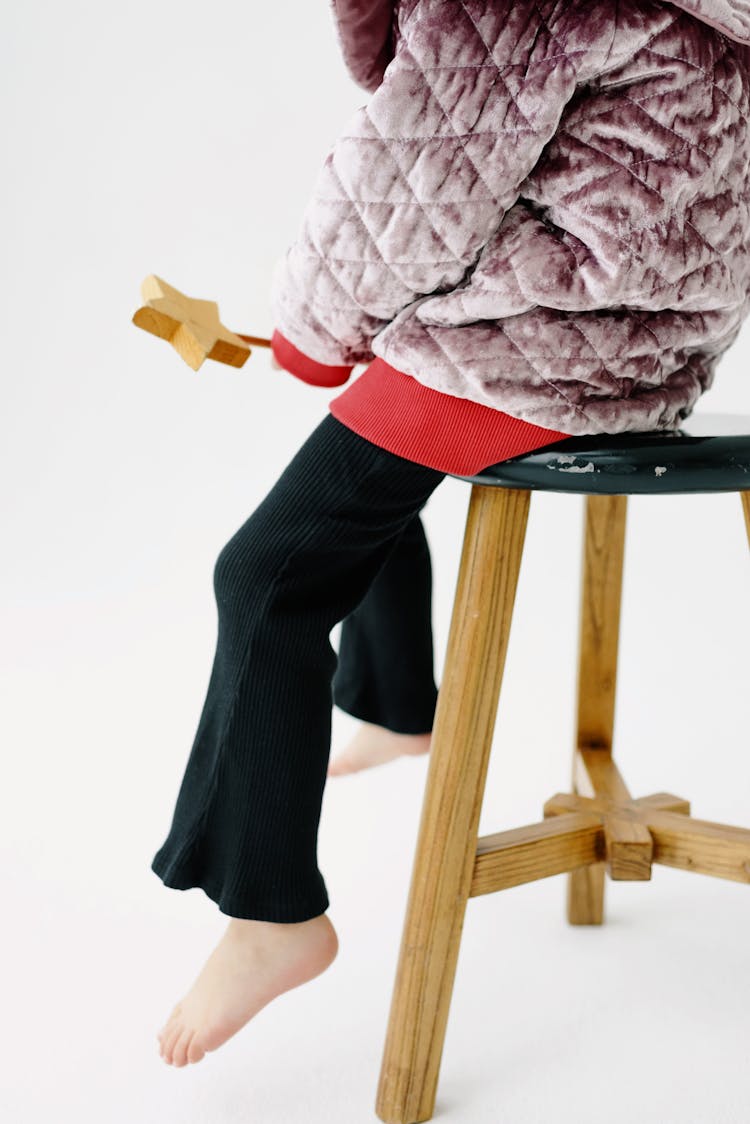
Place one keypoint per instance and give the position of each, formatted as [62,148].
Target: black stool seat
[708,453]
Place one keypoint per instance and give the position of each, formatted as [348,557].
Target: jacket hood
[366,31]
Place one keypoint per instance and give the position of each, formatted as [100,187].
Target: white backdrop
[183,139]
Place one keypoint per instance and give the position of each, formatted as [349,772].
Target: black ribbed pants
[337,538]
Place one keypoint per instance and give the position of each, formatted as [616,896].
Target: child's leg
[246,819]
[385,672]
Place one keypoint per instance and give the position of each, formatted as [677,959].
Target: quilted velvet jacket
[541,213]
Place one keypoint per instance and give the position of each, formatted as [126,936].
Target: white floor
[646,1018]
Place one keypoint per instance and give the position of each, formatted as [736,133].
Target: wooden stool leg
[745,497]
[603,553]
[447,839]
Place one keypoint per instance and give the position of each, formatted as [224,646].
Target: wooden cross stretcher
[192,326]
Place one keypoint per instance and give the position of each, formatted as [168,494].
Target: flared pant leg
[246,819]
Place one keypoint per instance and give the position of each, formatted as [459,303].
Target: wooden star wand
[192,326]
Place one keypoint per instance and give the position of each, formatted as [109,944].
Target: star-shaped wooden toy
[192,326]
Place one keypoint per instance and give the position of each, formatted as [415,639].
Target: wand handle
[259,341]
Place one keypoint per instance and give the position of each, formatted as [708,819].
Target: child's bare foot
[374,745]
[253,963]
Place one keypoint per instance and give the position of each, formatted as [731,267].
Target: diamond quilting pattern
[544,207]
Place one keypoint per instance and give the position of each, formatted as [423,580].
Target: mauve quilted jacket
[543,207]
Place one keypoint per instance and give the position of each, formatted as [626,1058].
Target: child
[537,226]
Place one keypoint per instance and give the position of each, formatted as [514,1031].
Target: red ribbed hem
[454,435]
[309,370]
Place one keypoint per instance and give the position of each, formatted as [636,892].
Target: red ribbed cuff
[454,435]
[308,370]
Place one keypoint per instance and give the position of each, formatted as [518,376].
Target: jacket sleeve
[425,172]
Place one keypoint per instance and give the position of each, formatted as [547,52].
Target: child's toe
[168,1041]
[195,1050]
[179,1054]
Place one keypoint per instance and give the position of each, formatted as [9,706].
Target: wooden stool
[598,827]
